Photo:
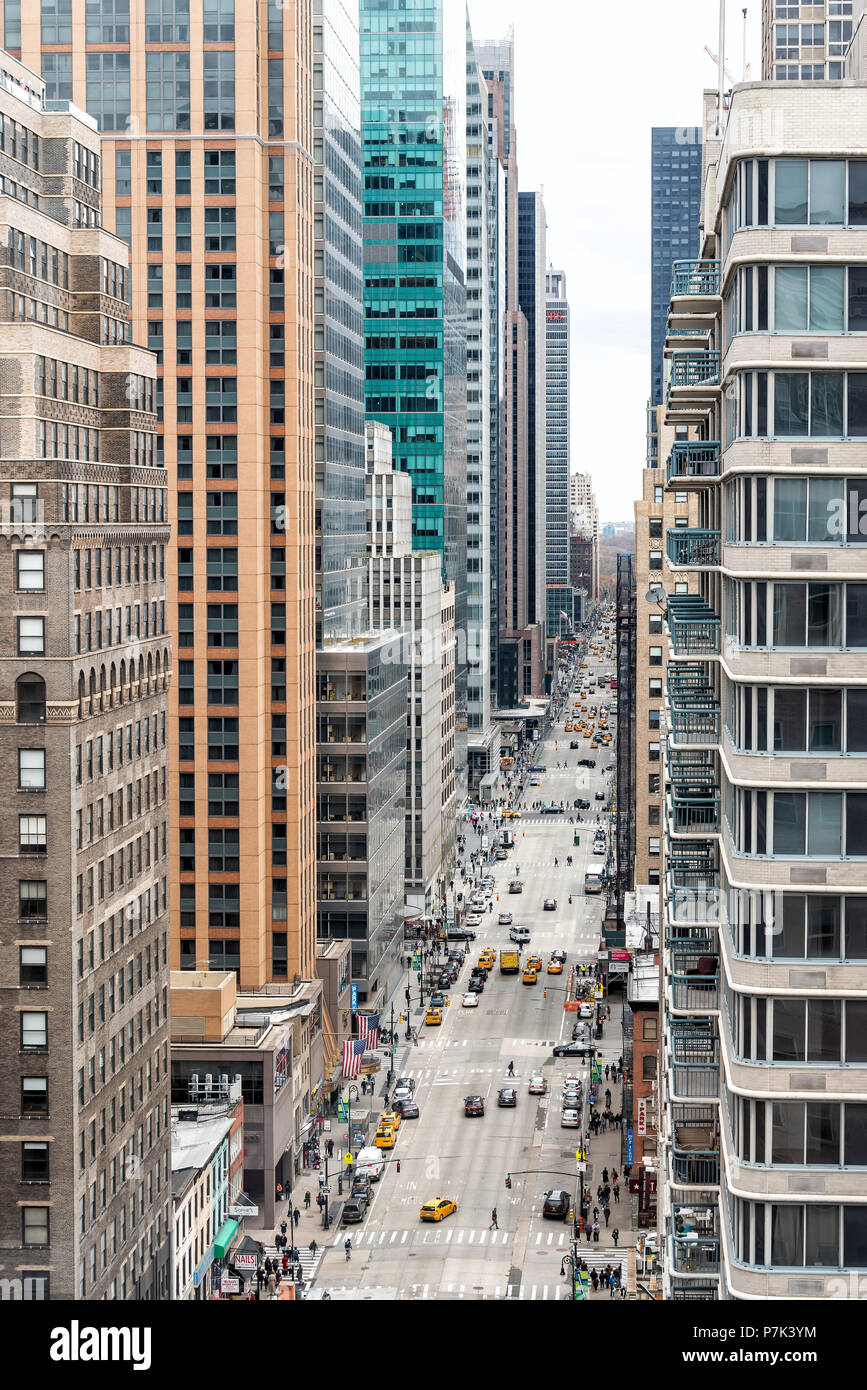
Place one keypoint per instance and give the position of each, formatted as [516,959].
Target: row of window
[797,193]
[101,1006]
[95,887]
[796,405]
[141,563]
[813,824]
[790,719]
[37,258]
[779,1235]
[816,510]
[797,926]
[823,615]
[790,1031]
[797,299]
[56,441]
[100,817]
[66,381]
[22,309]
[99,631]
[92,503]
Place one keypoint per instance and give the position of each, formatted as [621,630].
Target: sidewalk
[604,1152]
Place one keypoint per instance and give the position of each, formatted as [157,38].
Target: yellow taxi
[384,1137]
[433,1017]
[534,963]
[555,967]
[529,976]
[568,726]
[511,815]
[389,1117]
[438,1209]
[594,744]
[587,733]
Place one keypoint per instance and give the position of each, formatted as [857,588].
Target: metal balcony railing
[694,1293]
[695,1080]
[697,726]
[692,459]
[695,991]
[695,278]
[694,908]
[694,626]
[694,369]
[693,549]
[698,1255]
[694,817]
[695,1167]
[693,867]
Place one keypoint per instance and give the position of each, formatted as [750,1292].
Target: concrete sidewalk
[604,1153]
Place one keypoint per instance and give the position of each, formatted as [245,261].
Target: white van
[369,1163]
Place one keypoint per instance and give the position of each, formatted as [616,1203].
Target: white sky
[590,81]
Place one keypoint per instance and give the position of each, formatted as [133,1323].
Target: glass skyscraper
[675,206]
[413,120]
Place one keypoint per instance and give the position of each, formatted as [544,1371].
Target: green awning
[226,1235]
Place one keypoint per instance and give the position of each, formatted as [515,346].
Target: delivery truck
[509,961]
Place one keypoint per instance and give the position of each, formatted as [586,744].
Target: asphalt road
[445,1154]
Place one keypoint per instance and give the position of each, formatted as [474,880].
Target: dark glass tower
[413,122]
[675,209]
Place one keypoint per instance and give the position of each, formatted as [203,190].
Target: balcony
[693,462]
[695,280]
[693,964]
[694,627]
[694,801]
[692,1254]
[693,706]
[695,1146]
[693,1058]
[693,550]
[691,370]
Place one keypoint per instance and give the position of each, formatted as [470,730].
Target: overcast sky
[590,82]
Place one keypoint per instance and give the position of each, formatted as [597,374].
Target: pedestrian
[614,1175]
[272,1286]
[278,1275]
[604,1175]
[589,1230]
[606,1192]
[285,1262]
[615,1235]
[313,1247]
[260,1278]
[627,1170]
[330,1148]
[595,1280]
[607,1069]
[613,1286]
[595,1213]
[616,1192]
[493,1226]
[607,1214]
[296,1216]
[599,1192]
[283,1228]
[608,1098]
[596,1232]
[306,1201]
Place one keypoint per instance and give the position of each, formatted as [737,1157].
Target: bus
[593,876]
[613,683]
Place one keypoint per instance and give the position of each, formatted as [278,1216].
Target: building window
[655,560]
[654,656]
[30,566]
[31,769]
[168,86]
[648,1067]
[32,898]
[653,755]
[108,99]
[57,72]
[168,21]
[34,1226]
[31,636]
[56,21]
[219,20]
[34,1031]
[32,966]
[34,1162]
[650,1029]
[34,1096]
[655,528]
[219,90]
[32,834]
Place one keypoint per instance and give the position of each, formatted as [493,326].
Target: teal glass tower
[413,128]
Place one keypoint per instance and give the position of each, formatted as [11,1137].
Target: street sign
[347,1158]
[353,997]
[629,1147]
[229,1284]
[245,1261]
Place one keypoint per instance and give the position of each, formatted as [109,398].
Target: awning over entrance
[226,1235]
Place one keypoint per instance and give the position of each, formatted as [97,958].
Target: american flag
[368,1029]
[353,1051]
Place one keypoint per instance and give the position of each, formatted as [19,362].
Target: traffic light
[508,1180]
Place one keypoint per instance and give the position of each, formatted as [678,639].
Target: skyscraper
[674,210]
[763,1080]
[532,299]
[484,319]
[413,117]
[797,51]
[208,175]
[557,454]
[85,662]
[521,667]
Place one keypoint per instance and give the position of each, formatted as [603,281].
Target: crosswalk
[389,1292]
[430,1234]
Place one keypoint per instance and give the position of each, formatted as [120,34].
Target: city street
[445,1154]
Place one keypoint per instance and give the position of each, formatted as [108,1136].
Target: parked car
[354,1210]
[556,1204]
